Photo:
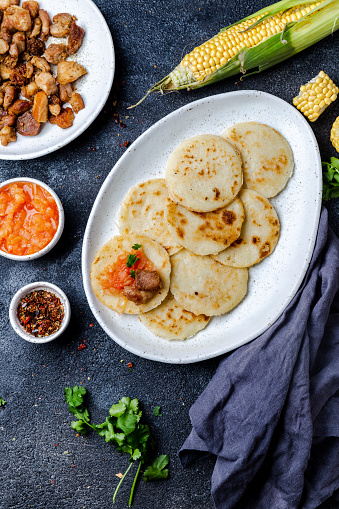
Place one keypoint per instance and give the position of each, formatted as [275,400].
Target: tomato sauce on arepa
[115,277]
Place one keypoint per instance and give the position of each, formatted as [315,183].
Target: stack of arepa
[212,215]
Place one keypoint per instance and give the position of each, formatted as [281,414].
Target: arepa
[142,212]
[204,173]
[172,321]
[266,155]
[259,233]
[107,256]
[203,286]
[205,232]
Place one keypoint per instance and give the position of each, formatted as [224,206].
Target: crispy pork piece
[18,44]
[41,63]
[29,90]
[4,47]
[35,47]
[55,53]
[69,71]
[26,125]
[75,38]
[54,105]
[20,18]
[46,82]
[137,296]
[147,280]
[61,25]
[65,92]
[19,107]
[10,95]
[2,95]
[46,23]
[29,69]
[40,107]
[7,120]
[7,28]
[32,7]
[64,120]
[36,29]
[7,135]
[54,109]
[4,4]
[76,102]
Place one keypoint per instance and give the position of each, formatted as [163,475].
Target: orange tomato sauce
[29,218]
[114,278]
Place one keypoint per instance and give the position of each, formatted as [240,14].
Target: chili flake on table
[40,313]
[29,218]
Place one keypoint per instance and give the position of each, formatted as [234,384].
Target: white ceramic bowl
[59,231]
[42,285]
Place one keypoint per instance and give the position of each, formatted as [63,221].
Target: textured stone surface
[149,37]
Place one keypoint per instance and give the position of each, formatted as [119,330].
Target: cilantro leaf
[132,273]
[136,246]
[79,427]
[157,470]
[131,260]
[2,402]
[331,179]
[75,398]
[156,411]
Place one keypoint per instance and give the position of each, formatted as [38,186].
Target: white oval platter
[273,282]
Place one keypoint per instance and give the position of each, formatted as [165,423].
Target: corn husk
[296,36]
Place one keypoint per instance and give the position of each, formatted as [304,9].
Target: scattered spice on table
[130,365]
[82,346]
[40,313]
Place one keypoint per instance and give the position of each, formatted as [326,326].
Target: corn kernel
[315,96]
[335,134]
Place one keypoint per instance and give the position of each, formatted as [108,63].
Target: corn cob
[254,44]
[315,96]
[335,134]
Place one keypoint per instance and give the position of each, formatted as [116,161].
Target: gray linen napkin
[270,414]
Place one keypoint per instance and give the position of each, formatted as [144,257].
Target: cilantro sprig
[156,411]
[2,402]
[331,179]
[131,260]
[124,429]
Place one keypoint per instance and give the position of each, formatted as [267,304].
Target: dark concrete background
[150,38]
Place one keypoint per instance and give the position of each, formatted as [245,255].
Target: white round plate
[97,56]
[273,282]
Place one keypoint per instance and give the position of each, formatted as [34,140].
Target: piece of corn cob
[315,96]
[335,134]
[255,43]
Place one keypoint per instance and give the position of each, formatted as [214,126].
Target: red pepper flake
[122,124]
[130,365]
[92,149]
[52,481]
[73,466]
[91,324]
[116,119]
[120,144]
[82,346]
[126,143]
[40,313]
[56,445]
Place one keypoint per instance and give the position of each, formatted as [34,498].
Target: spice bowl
[61,218]
[52,290]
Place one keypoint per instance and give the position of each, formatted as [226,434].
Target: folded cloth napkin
[270,414]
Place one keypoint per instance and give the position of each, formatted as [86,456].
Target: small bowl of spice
[31,219]
[39,312]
